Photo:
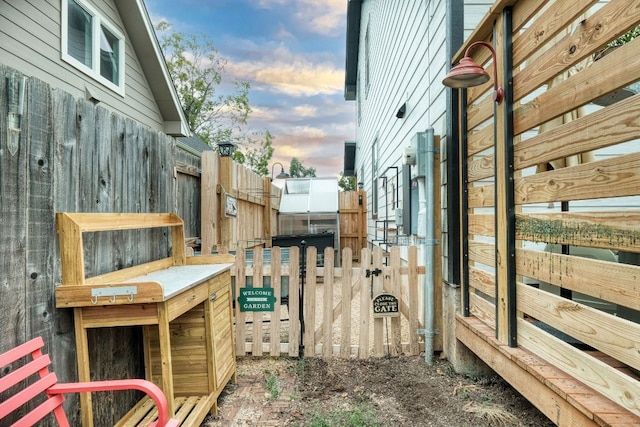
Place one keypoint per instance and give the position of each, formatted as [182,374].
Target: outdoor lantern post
[226,148]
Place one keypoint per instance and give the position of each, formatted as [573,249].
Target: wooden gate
[337,308]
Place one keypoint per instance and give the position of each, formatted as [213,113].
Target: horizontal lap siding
[30,42]
[406,65]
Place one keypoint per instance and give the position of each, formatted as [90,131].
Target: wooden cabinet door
[223,340]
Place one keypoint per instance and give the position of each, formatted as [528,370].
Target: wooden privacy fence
[337,304]
[552,197]
[353,221]
[257,202]
[226,184]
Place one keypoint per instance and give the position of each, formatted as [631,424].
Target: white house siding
[30,32]
[407,64]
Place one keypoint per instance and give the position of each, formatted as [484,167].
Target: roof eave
[147,48]
[353,47]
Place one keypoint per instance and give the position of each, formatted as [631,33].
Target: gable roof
[143,38]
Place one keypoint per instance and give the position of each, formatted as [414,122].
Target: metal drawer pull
[213,297]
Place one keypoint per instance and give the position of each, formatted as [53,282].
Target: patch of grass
[361,415]
[273,386]
[300,369]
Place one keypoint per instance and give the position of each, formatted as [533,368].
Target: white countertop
[177,279]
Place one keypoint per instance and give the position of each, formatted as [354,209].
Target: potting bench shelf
[183,304]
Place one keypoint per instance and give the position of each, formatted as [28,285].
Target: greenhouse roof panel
[322,195]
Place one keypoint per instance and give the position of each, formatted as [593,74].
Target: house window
[92,45]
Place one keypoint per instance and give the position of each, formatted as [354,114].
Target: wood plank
[392,284]
[294,302]
[414,313]
[481,252]
[327,305]
[615,385]
[547,29]
[609,230]
[502,182]
[164,356]
[606,24]
[226,183]
[600,78]
[365,302]
[310,289]
[482,224]
[606,127]
[346,296]
[555,407]
[95,221]
[479,140]
[208,201]
[378,323]
[480,167]
[84,369]
[276,284]
[584,275]
[481,196]
[240,316]
[615,177]
[482,309]
[612,335]
[258,317]
[483,281]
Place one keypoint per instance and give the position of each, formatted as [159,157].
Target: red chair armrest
[148,387]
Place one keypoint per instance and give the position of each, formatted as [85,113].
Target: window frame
[98,21]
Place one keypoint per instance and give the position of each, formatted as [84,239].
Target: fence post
[266,216]
[226,187]
[209,201]
[303,274]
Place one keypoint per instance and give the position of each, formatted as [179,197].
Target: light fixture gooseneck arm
[498,92]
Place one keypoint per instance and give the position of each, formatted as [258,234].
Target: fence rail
[329,309]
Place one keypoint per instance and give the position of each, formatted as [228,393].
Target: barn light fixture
[226,148]
[282,174]
[468,73]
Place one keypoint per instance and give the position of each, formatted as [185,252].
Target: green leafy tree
[257,157]
[197,71]
[347,183]
[297,170]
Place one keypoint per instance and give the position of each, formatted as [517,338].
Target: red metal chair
[46,385]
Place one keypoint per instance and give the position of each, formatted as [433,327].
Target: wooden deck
[562,398]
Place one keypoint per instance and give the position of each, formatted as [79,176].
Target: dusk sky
[293,55]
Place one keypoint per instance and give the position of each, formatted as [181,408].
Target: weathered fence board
[75,156]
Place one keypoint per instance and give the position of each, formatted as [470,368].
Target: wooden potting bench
[183,303]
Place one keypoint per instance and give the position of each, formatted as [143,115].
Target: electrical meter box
[419,147]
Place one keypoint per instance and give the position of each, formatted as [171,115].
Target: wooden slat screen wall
[555,83]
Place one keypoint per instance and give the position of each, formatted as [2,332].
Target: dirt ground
[402,391]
